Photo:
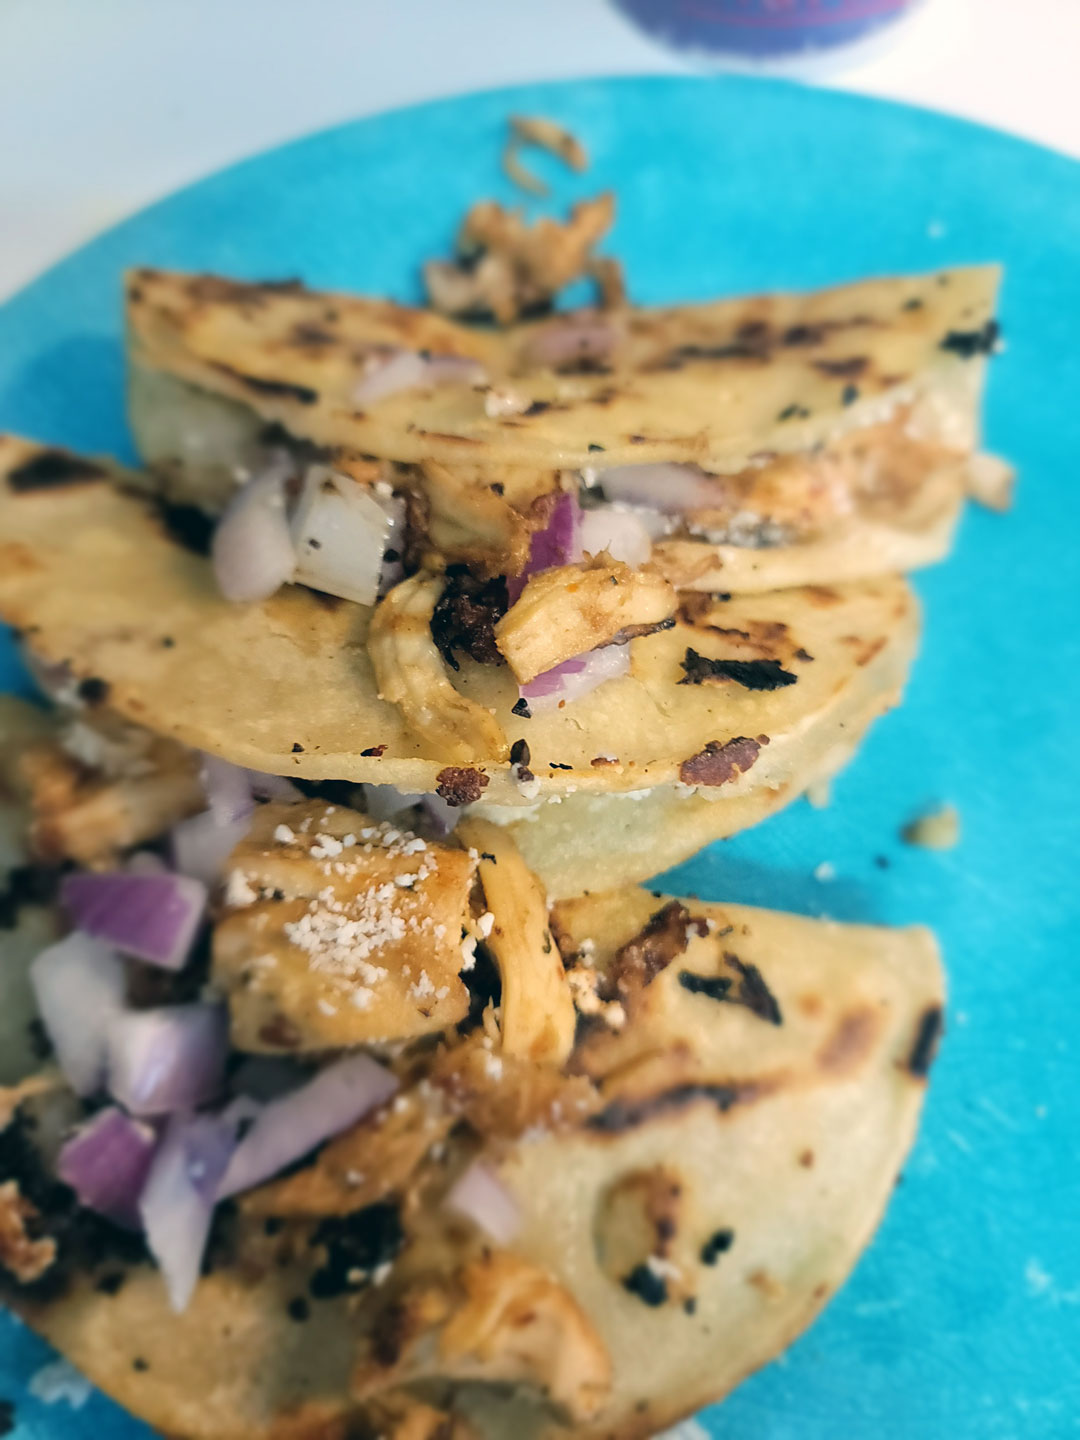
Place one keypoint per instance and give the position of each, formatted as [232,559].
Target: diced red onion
[397,370]
[169,1058]
[227,788]
[106,1163]
[618,531]
[558,543]
[339,532]
[201,844]
[576,677]
[573,339]
[150,917]
[441,815]
[288,1128]
[177,1202]
[80,986]
[482,1197]
[668,487]
[231,790]
[252,549]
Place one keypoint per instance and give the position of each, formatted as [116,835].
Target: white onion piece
[668,487]
[80,987]
[482,1197]
[339,532]
[576,677]
[618,531]
[573,339]
[201,845]
[106,1163]
[387,802]
[393,565]
[167,1059]
[231,790]
[177,1202]
[252,550]
[227,788]
[398,370]
[288,1128]
[151,917]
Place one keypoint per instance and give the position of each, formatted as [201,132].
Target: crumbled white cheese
[239,890]
[284,836]
[485,924]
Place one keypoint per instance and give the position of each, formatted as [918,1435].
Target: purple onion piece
[227,788]
[576,677]
[558,543]
[482,1197]
[80,986]
[177,1202]
[202,844]
[288,1128]
[106,1163]
[168,1059]
[150,917]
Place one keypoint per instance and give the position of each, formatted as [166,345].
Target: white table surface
[109,104]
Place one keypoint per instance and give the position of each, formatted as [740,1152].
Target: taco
[736,445]
[701,725]
[609,1160]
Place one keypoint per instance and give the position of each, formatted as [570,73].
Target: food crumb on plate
[937,830]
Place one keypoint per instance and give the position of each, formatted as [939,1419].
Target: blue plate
[963,1320]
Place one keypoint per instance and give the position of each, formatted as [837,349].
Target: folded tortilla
[834,429]
[747,1127]
[729,714]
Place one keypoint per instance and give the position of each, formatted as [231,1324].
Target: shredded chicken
[501,1320]
[83,813]
[547,135]
[509,268]
[339,931]
[538,1017]
[411,675]
[21,1255]
[571,609]
[369,1163]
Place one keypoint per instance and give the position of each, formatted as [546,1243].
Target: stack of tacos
[352,1085]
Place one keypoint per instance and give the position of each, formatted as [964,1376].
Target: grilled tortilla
[737,1141]
[834,429]
[733,711]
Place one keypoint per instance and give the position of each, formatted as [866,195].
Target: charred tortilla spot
[664,937]
[849,395]
[718,1243]
[282,389]
[187,525]
[649,1287]
[311,337]
[93,691]
[52,470]
[794,412]
[927,1039]
[969,343]
[752,991]
[356,1245]
[460,785]
[715,987]
[848,369]
[374,750]
[111,1283]
[623,1115]
[521,709]
[850,1043]
[750,674]
[718,763]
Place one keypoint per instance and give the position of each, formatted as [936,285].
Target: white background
[108,104]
